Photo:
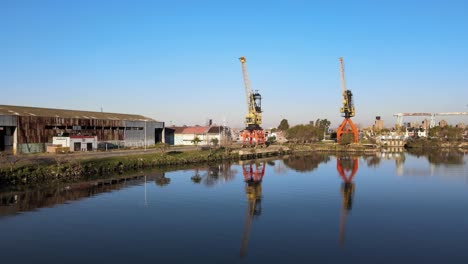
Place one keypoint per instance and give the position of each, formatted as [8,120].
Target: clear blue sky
[177,61]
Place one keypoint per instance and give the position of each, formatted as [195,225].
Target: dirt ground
[8,160]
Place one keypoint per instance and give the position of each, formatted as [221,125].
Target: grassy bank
[70,170]
[434,144]
[333,148]
[84,170]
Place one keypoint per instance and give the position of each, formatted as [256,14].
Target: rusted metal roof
[177,129]
[195,130]
[217,129]
[12,110]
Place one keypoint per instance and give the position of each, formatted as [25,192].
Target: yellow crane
[347,126]
[253,132]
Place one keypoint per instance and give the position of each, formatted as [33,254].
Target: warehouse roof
[62,113]
[217,129]
[177,129]
[195,130]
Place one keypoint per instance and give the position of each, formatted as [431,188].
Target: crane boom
[451,113]
[247,85]
[343,80]
[348,105]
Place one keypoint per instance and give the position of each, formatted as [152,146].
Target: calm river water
[390,208]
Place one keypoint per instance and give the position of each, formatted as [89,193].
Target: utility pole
[145,134]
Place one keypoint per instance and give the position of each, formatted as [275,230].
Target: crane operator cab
[258,101]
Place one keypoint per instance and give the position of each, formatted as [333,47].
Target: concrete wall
[83,142]
[178,139]
[28,148]
[64,141]
[186,139]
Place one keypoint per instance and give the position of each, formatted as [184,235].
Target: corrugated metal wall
[135,132]
[34,129]
[8,120]
[39,130]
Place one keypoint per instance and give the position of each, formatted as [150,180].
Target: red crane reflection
[347,168]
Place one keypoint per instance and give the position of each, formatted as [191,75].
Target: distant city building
[378,124]
[413,124]
[443,123]
[426,124]
[461,125]
[415,133]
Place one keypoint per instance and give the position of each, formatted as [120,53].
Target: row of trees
[314,131]
[448,133]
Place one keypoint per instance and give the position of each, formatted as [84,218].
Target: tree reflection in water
[440,157]
[162,181]
[14,202]
[306,163]
[213,174]
[372,161]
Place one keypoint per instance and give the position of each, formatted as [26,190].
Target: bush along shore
[435,144]
[85,170]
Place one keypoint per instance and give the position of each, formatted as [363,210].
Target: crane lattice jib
[343,81]
[348,105]
[247,86]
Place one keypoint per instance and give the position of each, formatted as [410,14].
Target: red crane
[347,126]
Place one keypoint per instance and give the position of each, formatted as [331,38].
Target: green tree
[271,140]
[347,139]
[448,133]
[284,125]
[196,140]
[321,126]
[214,141]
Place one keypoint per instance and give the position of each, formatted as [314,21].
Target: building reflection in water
[347,168]
[447,162]
[14,202]
[213,174]
[253,176]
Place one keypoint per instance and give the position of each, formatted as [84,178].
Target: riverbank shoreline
[71,169]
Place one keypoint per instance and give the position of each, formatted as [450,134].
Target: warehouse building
[185,135]
[31,129]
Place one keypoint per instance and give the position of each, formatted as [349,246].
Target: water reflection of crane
[253,175]
[347,168]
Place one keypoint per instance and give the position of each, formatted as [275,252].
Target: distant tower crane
[253,132]
[347,126]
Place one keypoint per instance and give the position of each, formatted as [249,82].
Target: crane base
[347,127]
[253,138]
